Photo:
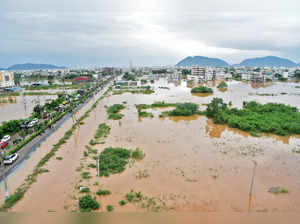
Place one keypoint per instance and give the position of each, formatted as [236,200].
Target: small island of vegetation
[202,89]
[255,118]
[222,85]
[113,111]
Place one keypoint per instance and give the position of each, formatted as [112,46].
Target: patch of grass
[184,109]
[142,174]
[44,171]
[114,160]
[122,202]
[151,204]
[103,192]
[202,89]
[137,154]
[109,208]
[87,203]
[113,111]
[102,131]
[222,85]
[92,165]
[85,175]
[144,113]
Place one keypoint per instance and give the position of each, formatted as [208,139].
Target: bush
[87,203]
[103,192]
[122,202]
[114,160]
[113,111]
[273,118]
[137,154]
[109,208]
[222,85]
[184,109]
[202,89]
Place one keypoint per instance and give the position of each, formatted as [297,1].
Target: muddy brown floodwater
[194,165]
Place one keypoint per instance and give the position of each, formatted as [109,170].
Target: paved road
[24,153]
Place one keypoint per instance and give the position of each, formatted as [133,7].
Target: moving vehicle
[6,138]
[10,159]
[3,144]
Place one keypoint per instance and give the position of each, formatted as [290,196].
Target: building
[82,79]
[6,79]
[199,71]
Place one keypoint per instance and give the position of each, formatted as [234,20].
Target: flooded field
[19,107]
[192,163]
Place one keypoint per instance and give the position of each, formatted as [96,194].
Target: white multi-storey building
[6,79]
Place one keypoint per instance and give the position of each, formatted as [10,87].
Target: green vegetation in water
[146,91]
[273,118]
[122,202]
[163,87]
[42,93]
[202,89]
[222,85]
[9,94]
[142,174]
[278,190]
[103,192]
[86,175]
[114,160]
[113,111]
[155,105]
[298,87]
[102,131]
[87,203]
[144,113]
[59,158]
[109,208]
[151,204]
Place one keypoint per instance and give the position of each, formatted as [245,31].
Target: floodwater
[21,107]
[194,165]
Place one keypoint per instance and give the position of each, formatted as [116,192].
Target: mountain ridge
[32,66]
[270,61]
[202,61]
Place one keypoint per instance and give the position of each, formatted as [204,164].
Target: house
[6,79]
[82,79]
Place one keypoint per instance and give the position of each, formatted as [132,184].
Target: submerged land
[171,149]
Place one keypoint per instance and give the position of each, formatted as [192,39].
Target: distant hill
[29,66]
[269,61]
[203,61]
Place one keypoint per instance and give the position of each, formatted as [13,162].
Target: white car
[10,159]
[31,124]
[6,138]
[35,120]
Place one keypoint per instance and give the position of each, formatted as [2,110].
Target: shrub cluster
[202,89]
[113,111]
[87,203]
[114,160]
[254,117]
[222,85]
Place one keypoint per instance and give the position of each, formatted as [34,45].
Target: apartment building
[6,79]
[198,71]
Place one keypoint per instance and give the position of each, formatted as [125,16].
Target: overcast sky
[147,32]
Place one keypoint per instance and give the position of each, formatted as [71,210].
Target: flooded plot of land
[191,163]
[20,107]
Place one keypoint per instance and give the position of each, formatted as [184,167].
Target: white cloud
[147,32]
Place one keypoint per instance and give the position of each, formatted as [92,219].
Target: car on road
[10,159]
[3,144]
[35,120]
[6,138]
[31,124]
